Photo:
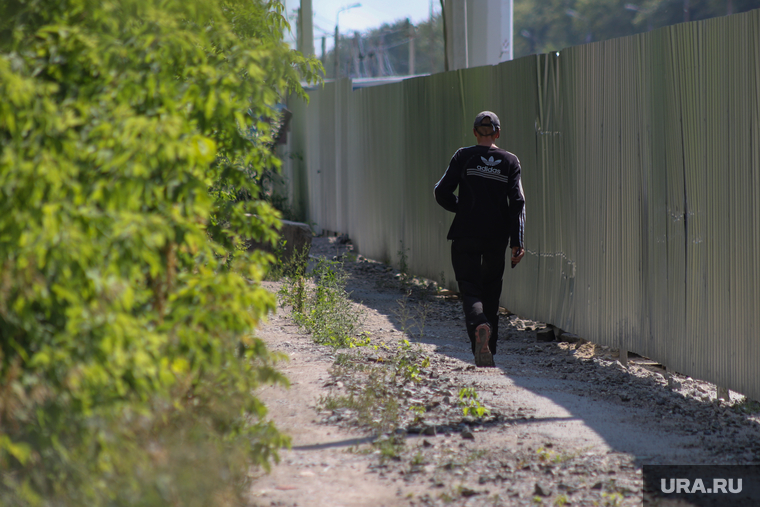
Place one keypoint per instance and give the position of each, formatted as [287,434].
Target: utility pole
[324,45]
[455,22]
[336,54]
[466,39]
[305,26]
[507,31]
[363,64]
[379,56]
[489,22]
[299,34]
[337,37]
[431,41]
[410,26]
[356,50]
[445,18]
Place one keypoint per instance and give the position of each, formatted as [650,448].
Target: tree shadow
[576,394]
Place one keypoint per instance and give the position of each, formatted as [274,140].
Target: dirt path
[568,424]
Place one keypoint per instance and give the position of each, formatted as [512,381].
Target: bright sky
[371,14]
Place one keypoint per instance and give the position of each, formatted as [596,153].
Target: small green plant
[323,308]
[374,400]
[423,310]
[746,406]
[476,455]
[446,498]
[373,392]
[418,459]
[468,400]
[419,412]
[561,501]
[410,317]
[350,257]
[348,361]
[390,447]
[403,314]
[550,456]
[614,499]
[287,265]
[408,361]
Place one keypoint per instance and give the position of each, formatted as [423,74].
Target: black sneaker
[483,356]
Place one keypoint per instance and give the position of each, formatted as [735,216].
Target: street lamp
[337,39]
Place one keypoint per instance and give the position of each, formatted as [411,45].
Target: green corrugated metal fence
[641,168]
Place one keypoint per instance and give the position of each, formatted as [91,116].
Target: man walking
[490,212]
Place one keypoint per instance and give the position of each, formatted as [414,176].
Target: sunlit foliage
[127,305]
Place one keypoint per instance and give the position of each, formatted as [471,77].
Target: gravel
[566,422]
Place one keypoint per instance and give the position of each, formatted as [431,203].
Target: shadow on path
[577,399]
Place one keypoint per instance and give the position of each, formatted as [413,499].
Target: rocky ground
[553,424]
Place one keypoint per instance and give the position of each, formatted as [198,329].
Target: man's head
[487,124]
[486,128]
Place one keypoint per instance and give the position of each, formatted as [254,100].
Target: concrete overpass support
[478,32]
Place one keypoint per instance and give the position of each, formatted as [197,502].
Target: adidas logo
[489,165]
[490,162]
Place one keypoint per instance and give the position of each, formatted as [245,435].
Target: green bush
[127,304]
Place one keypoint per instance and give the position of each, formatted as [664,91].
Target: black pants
[479,270]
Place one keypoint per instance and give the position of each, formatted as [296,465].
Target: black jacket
[491,203]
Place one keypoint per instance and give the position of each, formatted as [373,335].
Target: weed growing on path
[746,406]
[408,360]
[403,314]
[410,316]
[550,456]
[284,266]
[373,391]
[468,400]
[423,310]
[612,499]
[374,399]
[322,306]
[389,447]
[374,394]
[418,411]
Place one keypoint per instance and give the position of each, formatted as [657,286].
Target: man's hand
[517,254]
